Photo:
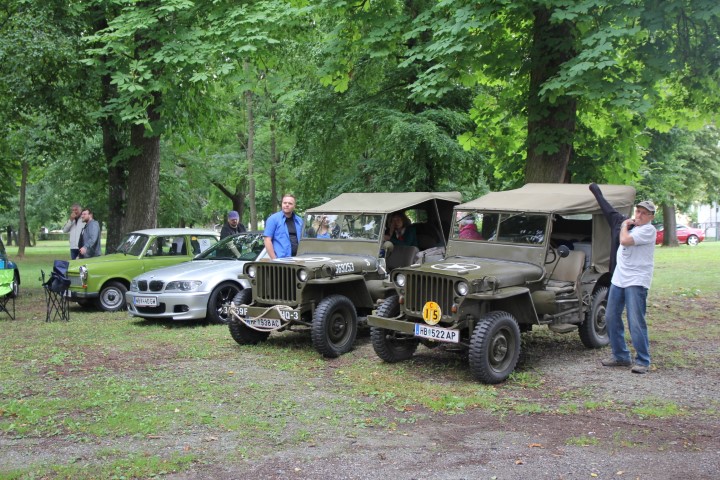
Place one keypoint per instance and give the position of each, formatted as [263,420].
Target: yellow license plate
[431,313]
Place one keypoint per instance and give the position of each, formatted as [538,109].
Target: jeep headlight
[461,288]
[251,271]
[400,279]
[133,286]
[83,274]
[302,275]
[183,285]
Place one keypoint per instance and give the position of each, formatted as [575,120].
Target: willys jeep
[340,272]
[537,255]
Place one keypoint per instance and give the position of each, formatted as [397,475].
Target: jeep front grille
[421,288]
[275,284]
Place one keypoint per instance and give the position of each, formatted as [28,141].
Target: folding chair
[7,292]
[56,287]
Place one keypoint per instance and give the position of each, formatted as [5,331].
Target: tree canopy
[172,112]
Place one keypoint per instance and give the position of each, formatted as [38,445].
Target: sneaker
[614,362]
[639,368]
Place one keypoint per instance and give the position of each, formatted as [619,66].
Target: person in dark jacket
[232,225]
[89,242]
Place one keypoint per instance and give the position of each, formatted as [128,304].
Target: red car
[685,234]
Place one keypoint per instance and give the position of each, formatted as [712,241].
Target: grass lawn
[113,388]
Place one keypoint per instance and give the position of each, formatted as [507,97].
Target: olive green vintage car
[537,255]
[104,280]
[340,271]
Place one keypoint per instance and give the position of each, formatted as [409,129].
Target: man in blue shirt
[283,230]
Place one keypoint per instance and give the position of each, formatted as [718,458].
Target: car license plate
[145,301]
[437,333]
[262,322]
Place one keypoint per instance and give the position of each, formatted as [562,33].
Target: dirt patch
[616,428]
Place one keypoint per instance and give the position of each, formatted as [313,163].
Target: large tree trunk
[274,160]
[22,240]
[669,226]
[250,151]
[551,126]
[144,175]
[117,178]
[237,198]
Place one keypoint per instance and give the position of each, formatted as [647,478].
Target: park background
[172,112]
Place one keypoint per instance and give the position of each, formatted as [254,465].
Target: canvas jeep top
[537,255]
[342,273]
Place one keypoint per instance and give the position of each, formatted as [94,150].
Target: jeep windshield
[132,244]
[523,228]
[327,226]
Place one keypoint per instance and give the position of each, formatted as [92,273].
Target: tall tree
[591,62]
[683,168]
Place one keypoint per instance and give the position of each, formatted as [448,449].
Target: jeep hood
[506,273]
[361,263]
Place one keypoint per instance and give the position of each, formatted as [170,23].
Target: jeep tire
[334,326]
[391,346]
[494,347]
[240,332]
[593,331]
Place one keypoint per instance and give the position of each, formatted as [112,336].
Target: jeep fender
[517,301]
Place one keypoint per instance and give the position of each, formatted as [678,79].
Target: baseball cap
[233,214]
[647,205]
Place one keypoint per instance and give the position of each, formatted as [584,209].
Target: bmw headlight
[133,286]
[251,271]
[303,275]
[400,279]
[183,285]
[83,274]
[461,288]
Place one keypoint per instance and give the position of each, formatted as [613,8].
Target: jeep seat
[401,256]
[565,274]
[427,235]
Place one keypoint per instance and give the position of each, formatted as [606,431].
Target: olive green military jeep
[537,255]
[340,272]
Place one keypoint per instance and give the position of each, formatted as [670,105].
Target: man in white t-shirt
[629,287]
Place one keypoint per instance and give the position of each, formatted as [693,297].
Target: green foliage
[683,167]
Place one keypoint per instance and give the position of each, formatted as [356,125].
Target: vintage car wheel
[494,347]
[593,331]
[222,294]
[240,332]
[334,326]
[392,346]
[692,240]
[112,297]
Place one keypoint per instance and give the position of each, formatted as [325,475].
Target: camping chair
[56,289]
[7,292]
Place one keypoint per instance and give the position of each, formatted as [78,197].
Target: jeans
[74,252]
[635,299]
